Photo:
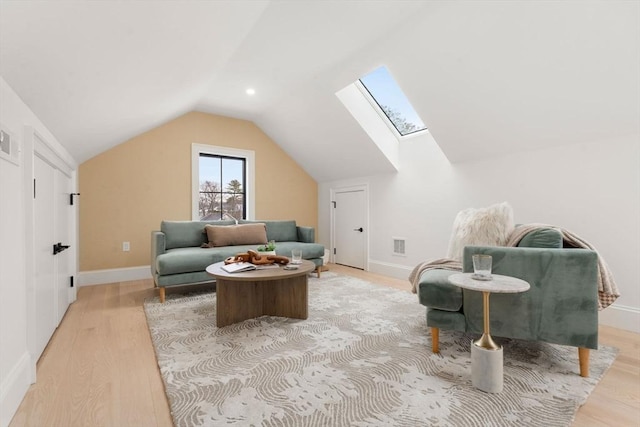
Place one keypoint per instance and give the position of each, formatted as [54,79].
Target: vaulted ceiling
[486,77]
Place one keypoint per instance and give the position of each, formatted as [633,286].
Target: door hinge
[71,281]
[71,197]
[334,205]
[334,251]
[34,188]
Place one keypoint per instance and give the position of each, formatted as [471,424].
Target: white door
[52,271]
[63,217]
[44,261]
[350,214]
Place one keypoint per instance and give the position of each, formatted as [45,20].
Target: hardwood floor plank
[99,368]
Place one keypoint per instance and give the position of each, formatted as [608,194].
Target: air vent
[398,246]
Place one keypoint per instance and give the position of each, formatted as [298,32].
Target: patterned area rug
[362,358]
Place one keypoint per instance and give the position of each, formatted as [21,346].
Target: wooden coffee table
[251,294]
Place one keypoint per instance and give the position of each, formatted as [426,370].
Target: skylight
[392,101]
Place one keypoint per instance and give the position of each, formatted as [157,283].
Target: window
[386,93]
[222,183]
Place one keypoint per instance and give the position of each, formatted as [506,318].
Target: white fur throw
[481,227]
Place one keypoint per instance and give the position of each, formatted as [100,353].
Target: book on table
[267,266]
[238,267]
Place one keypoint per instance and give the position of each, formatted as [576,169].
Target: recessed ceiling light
[251,91]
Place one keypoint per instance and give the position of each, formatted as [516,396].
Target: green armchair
[561,306]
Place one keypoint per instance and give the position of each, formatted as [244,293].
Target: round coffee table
[486,355]
[255,293]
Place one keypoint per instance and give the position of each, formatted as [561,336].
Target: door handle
[59,247]
[358,229]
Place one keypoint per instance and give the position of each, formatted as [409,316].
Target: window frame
[213,150]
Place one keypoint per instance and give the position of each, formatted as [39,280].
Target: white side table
[486,355]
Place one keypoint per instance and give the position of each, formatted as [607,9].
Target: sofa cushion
[280,231]
[435,290]
[542,238]
[309,250]
[184,234]
[187,260]
[233,235]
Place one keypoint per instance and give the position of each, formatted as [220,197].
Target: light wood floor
[99,368]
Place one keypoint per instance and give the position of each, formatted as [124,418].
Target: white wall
[16,364]
[592,189]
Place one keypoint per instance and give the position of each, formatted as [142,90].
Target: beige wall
[128,190]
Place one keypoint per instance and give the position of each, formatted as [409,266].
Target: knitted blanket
[607,288]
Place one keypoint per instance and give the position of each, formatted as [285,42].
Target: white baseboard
[617,316]
[388,269]
[13,389]
[100,277]
[622,317]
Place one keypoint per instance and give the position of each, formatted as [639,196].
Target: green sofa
[561,306]
[177,256]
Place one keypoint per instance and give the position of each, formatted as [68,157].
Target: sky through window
[392,101]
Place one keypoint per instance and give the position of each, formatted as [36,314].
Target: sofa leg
[162,294]
[318,269]
[435,340]
[583,357]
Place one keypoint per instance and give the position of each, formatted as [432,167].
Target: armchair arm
[306,234]
[560,307]
[158,247]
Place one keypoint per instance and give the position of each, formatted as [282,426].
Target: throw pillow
[489,226]
[232,235]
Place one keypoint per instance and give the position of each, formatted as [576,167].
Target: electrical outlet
[125,246]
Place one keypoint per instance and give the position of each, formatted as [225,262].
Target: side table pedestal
[486,355]
[486,368]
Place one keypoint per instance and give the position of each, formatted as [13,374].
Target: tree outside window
[221,187]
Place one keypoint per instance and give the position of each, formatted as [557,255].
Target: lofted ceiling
[486,77]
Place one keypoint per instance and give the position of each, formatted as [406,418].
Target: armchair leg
[435,340]
[583,356]
[318,269]
[162,294]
